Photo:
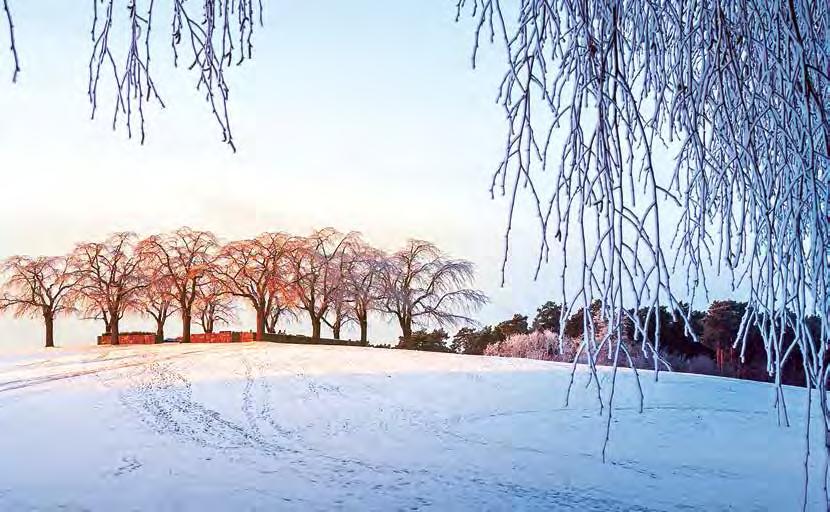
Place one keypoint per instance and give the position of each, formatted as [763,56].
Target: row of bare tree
[334,277]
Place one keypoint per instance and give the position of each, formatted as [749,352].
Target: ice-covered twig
[594,93]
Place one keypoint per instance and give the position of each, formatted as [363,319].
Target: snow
[290,427]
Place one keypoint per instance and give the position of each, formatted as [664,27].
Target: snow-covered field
[285,427]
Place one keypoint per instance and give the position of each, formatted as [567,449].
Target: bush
[535,345]
[545,346]
[703,365]
[435,341]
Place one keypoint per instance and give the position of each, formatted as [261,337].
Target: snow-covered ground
[286,427]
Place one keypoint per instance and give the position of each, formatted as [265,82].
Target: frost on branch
[216,35]
[419,284]
[594,92]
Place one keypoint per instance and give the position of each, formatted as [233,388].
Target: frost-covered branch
[219,34]
[419,284]
[596,93]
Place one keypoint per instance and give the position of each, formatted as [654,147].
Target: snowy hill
[286,427]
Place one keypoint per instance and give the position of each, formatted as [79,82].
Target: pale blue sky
[363,115]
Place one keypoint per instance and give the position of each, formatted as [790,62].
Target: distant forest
[707,345]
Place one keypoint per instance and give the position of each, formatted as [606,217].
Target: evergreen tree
[516,325]
[435,341]
[473,342]
[548,317]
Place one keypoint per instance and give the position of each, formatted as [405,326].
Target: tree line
[705,345]
[334,278]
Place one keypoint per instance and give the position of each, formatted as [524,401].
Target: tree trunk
[159,331]
[260,324]
[49,322]
[406,328]
[335,329]
[315,327]
[364,328]
[114,332]
[185,326]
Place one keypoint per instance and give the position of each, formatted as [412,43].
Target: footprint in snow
[130,464]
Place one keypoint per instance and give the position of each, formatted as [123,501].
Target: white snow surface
[288,427]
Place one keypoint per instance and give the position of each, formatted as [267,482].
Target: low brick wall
[222,337]
[133,338]
[306,340]
[147,338]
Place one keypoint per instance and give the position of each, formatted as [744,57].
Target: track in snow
[316,428]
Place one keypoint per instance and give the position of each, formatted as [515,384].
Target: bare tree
[337,315]
[315,264]
[184,257]
[277,312]
[259,271]
[88,311]
[110,278]
[157,299]
[38,287]
[213,306]
[341,300]
[363,283]
[420,285]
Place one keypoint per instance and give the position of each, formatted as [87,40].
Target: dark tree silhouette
[675,336]
[473,342]
[435,341]
[575,324]
[548,317]
[516,325]
[720,329]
